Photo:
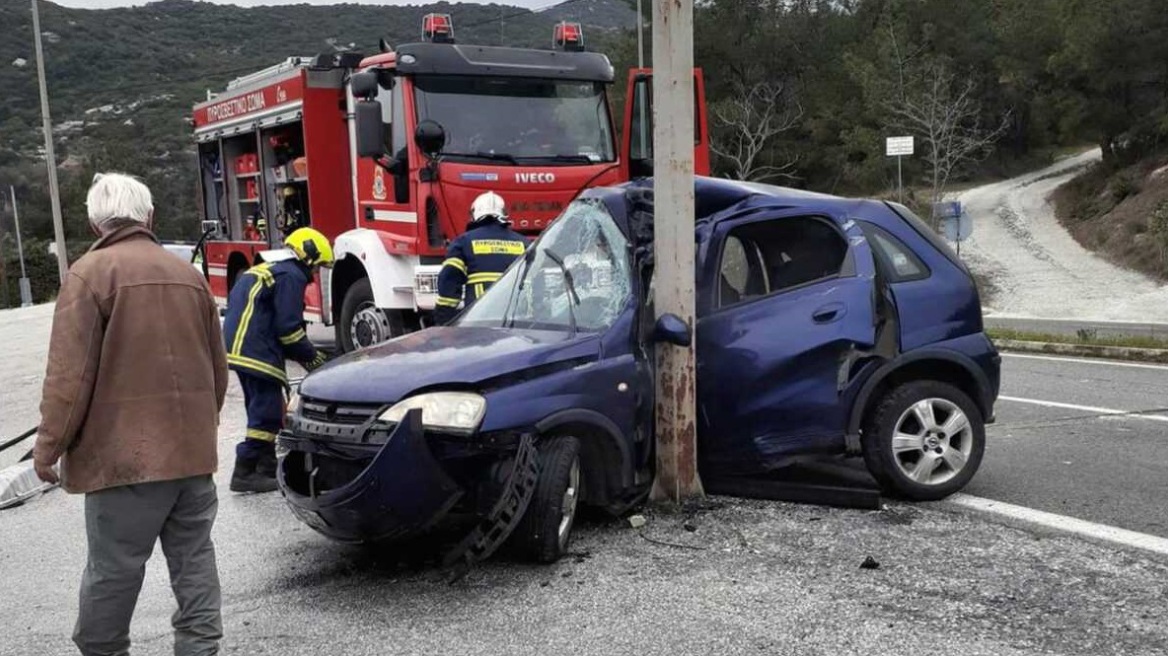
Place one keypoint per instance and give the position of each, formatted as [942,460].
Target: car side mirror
[430,137]
[670,329]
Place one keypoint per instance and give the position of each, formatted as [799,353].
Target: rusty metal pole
[673,212]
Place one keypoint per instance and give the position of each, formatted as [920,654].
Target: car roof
[716,199]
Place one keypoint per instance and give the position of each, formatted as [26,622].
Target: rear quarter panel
[942,307]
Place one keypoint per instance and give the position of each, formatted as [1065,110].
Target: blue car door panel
[775,344]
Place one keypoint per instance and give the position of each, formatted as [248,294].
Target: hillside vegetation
[799,92]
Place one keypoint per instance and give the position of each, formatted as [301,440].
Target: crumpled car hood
[436,357]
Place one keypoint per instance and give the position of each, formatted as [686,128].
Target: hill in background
[122,81]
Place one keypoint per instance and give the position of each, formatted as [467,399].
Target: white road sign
[898,146]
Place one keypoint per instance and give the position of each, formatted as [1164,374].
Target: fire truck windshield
[514,121]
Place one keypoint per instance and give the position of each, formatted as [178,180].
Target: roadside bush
[1158,224]
[1126,184]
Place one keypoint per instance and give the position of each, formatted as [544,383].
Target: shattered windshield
[529,121]
[586,244]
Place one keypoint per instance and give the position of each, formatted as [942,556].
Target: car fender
[615,482]
[984,398]
[387,260]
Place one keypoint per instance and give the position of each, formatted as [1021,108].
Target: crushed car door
[787,304]
[637,136]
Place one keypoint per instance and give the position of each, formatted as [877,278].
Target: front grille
[337,413]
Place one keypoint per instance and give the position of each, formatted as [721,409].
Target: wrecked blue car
[825,327]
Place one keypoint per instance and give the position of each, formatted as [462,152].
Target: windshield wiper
[577,159]
[568,282]
[482,154]
[528,256]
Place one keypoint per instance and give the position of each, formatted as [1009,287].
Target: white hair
[115,199]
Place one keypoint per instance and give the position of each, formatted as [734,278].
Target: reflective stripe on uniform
[257,434]
[455,262]
[446,301]
[294,337]
[478,291]
[264,278]
[256,365]
[496,247]
[485,277]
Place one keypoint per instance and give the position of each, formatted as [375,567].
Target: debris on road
[637,521]
[870,563]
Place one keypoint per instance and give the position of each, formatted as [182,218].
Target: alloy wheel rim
[569,503]
[933,441]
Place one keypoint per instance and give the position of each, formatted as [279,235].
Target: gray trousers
[122,525]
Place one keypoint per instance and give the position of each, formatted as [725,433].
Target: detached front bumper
[399,488]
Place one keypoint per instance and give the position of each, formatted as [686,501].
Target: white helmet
[488,204]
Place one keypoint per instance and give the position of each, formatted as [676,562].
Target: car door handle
[829,313]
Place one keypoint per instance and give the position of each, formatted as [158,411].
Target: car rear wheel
[546,528]
[362,323]
[924,441]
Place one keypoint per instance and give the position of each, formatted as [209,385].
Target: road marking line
[1134,414]
[1063,523]
[1109,363]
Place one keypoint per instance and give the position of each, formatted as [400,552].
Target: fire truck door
[384,195]
[637,139]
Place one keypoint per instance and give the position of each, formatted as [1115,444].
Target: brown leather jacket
[137,369]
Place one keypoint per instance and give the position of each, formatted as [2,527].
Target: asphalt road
[752,577]
[1106,469]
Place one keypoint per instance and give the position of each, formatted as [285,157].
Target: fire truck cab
[385,154]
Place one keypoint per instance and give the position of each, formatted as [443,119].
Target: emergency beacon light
[438,28]
[568,36]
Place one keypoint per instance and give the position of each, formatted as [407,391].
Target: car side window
[899,262]
[769,257]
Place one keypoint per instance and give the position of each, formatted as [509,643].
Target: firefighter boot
[251,475]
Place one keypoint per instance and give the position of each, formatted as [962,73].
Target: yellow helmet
[310,246]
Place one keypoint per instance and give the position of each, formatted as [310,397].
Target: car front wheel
[924,441]
[546,527]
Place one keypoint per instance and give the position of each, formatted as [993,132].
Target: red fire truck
[384,155]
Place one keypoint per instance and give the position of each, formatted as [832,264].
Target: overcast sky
[105,4]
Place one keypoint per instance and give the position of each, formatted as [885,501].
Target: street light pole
[640,36]
[50,157]
[673,212]
[25,288]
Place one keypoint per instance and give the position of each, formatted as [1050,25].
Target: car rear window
[898,260]
[928,233]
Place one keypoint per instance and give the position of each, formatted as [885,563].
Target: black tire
[538,536]
[937,451]
[358,298]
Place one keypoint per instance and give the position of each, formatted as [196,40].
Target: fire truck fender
[382,257]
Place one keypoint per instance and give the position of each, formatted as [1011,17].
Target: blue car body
[790,364]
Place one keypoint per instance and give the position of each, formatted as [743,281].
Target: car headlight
[446,412]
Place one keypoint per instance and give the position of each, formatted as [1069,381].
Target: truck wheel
[924,441]
[362,323]
[543,533]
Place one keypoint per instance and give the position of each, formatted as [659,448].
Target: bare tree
[750,120]
[947,116]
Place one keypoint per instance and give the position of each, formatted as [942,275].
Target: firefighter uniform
[263,327]
[477,258]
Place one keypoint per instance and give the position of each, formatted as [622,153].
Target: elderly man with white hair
[136,377]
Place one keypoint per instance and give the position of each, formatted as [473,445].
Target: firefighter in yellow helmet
[263,327]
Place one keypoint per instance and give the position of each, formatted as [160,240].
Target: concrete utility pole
[673,211]
[50,157]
